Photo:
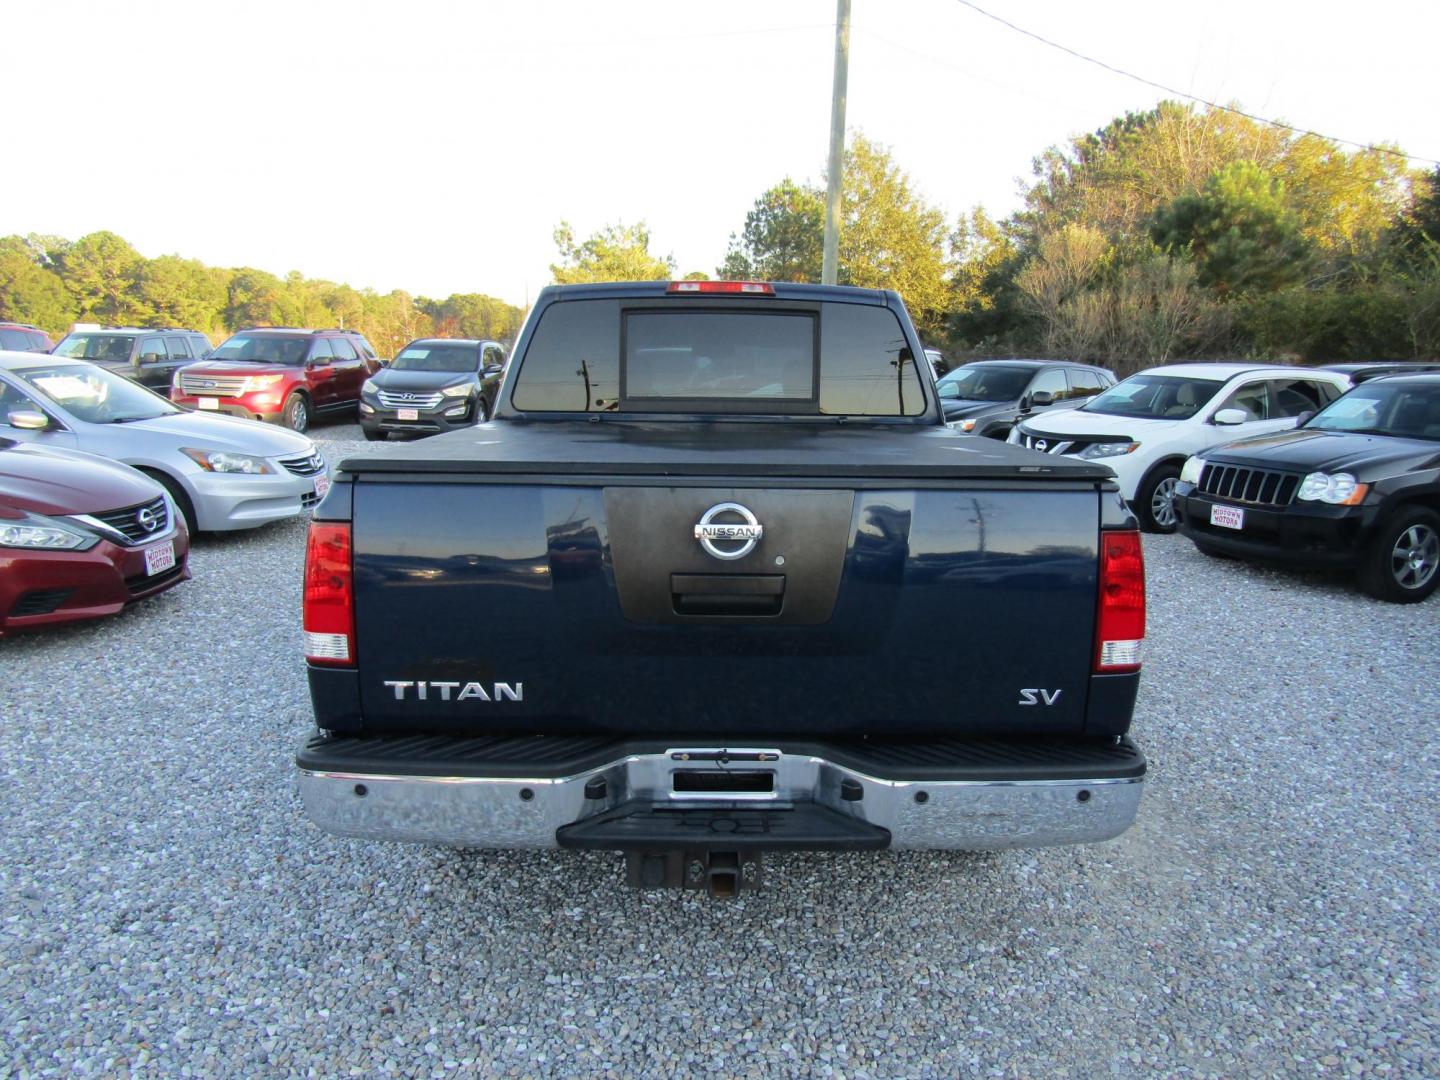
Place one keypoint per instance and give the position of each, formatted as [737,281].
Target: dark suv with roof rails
[433,385]
[22,337]
[148,355]
[989,397]
[281,375]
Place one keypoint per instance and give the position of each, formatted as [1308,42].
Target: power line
[1190,97]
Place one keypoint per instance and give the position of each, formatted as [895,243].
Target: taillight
[755,288]
[1120,620]
[329,609]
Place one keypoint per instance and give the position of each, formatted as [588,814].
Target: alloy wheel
[1415,556]
[1162,503]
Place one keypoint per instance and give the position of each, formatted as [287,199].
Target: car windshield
[1155,397]
[1385,408]
[95,395]
[96,346]
[447,358]
[263,349]
[985,382]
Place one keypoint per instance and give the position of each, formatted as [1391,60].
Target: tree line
[1176,233]
[53,283]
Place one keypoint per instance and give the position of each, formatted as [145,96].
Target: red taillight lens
[329,612]
[755,288]
[1120,621]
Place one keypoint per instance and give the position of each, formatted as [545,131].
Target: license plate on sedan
[1227,517]
[159,558]
[207,403]
[322,485]
[408,414]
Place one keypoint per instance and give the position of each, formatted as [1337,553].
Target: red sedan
[81,537]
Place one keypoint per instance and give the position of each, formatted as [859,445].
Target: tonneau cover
[694,447]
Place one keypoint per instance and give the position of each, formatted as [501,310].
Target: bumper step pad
[641,825]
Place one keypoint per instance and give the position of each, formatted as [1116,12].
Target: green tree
[31,292]
[100,271]
[783,238]
[616,253]
[254,299]
[890,238]
[1239,230]
[474,315]
[173,291]
[984,301]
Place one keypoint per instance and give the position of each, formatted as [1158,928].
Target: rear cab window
[823,359]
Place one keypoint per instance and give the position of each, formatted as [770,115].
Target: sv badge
[1038,697]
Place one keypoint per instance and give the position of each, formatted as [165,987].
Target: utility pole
[837,143]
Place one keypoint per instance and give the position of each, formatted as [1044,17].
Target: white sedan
[222,472]
[1146,426]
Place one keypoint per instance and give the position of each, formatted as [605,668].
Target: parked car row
[1275,464]
[103,481]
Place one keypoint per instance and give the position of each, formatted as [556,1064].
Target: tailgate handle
[727,594]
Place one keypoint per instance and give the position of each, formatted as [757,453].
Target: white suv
[1147,425]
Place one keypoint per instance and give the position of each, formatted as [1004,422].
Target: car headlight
[369,387]
[222,461]
[968,424]
[1108,449]
[258,382]
[41,533]
[1190,472]
[462,390]
[1339,489]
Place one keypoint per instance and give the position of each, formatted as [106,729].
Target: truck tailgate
[908,596]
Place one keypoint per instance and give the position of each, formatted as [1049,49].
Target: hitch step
[642,825]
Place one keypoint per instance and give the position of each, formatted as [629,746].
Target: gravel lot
[168,909]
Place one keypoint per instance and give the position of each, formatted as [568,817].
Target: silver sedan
[222,472]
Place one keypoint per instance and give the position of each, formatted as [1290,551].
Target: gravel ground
[167,908]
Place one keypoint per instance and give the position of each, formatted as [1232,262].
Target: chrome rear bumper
[511,812]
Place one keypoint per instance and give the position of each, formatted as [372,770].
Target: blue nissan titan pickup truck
[717,580]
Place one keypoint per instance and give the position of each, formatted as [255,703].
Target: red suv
[281,375]
[22,337]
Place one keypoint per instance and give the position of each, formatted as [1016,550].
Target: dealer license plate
[207,403]
[1227,517]
[159,558]
[322,485]
[408,414]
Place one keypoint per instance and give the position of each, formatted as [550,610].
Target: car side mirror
[1304,418]
[1230,417]
[150,358]
[28,420]
[1040,398]
[491,371]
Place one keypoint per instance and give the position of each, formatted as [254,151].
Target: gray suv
[149,356]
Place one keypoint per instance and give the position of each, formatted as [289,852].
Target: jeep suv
[22,337]
[284,376]
[147,355]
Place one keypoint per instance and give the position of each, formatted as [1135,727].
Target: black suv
[988,397]
[434,385]
[22,337]
[148,355]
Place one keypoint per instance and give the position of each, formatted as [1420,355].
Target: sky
[434,145]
